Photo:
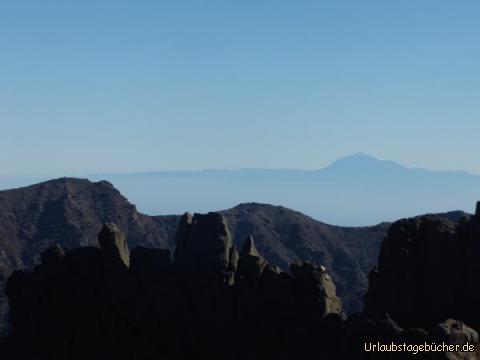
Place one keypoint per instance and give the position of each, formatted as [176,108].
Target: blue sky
[124,86]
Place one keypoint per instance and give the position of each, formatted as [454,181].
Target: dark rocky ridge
[108,303]
[285,236]
[70,212]
[428,271]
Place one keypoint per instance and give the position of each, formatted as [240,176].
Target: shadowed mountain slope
[70,212]
[284,236]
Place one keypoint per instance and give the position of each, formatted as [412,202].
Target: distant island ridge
[357,159]
[356,190]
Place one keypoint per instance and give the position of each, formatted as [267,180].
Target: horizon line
[228,169]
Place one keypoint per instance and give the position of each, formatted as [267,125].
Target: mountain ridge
[357,190]
[145,304]
[356,159]
[70,212]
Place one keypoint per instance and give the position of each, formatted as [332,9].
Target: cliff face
[428,271]
[211,302]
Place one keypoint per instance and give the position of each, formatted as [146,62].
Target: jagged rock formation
[428,272]
[215,259]
[284,236]
[107,303]
[209,303]
[70,212]
[114,245]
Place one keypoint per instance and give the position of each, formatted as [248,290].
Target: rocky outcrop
[428,272]
[209,302]
[317,287]
[114,246]
[71,212]
[284,236]
[251,264]
[205,248]
[107,302]
[100,303]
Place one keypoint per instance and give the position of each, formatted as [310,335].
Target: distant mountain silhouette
[355,190]
[364,167]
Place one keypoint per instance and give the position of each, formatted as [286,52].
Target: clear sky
[122,86]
